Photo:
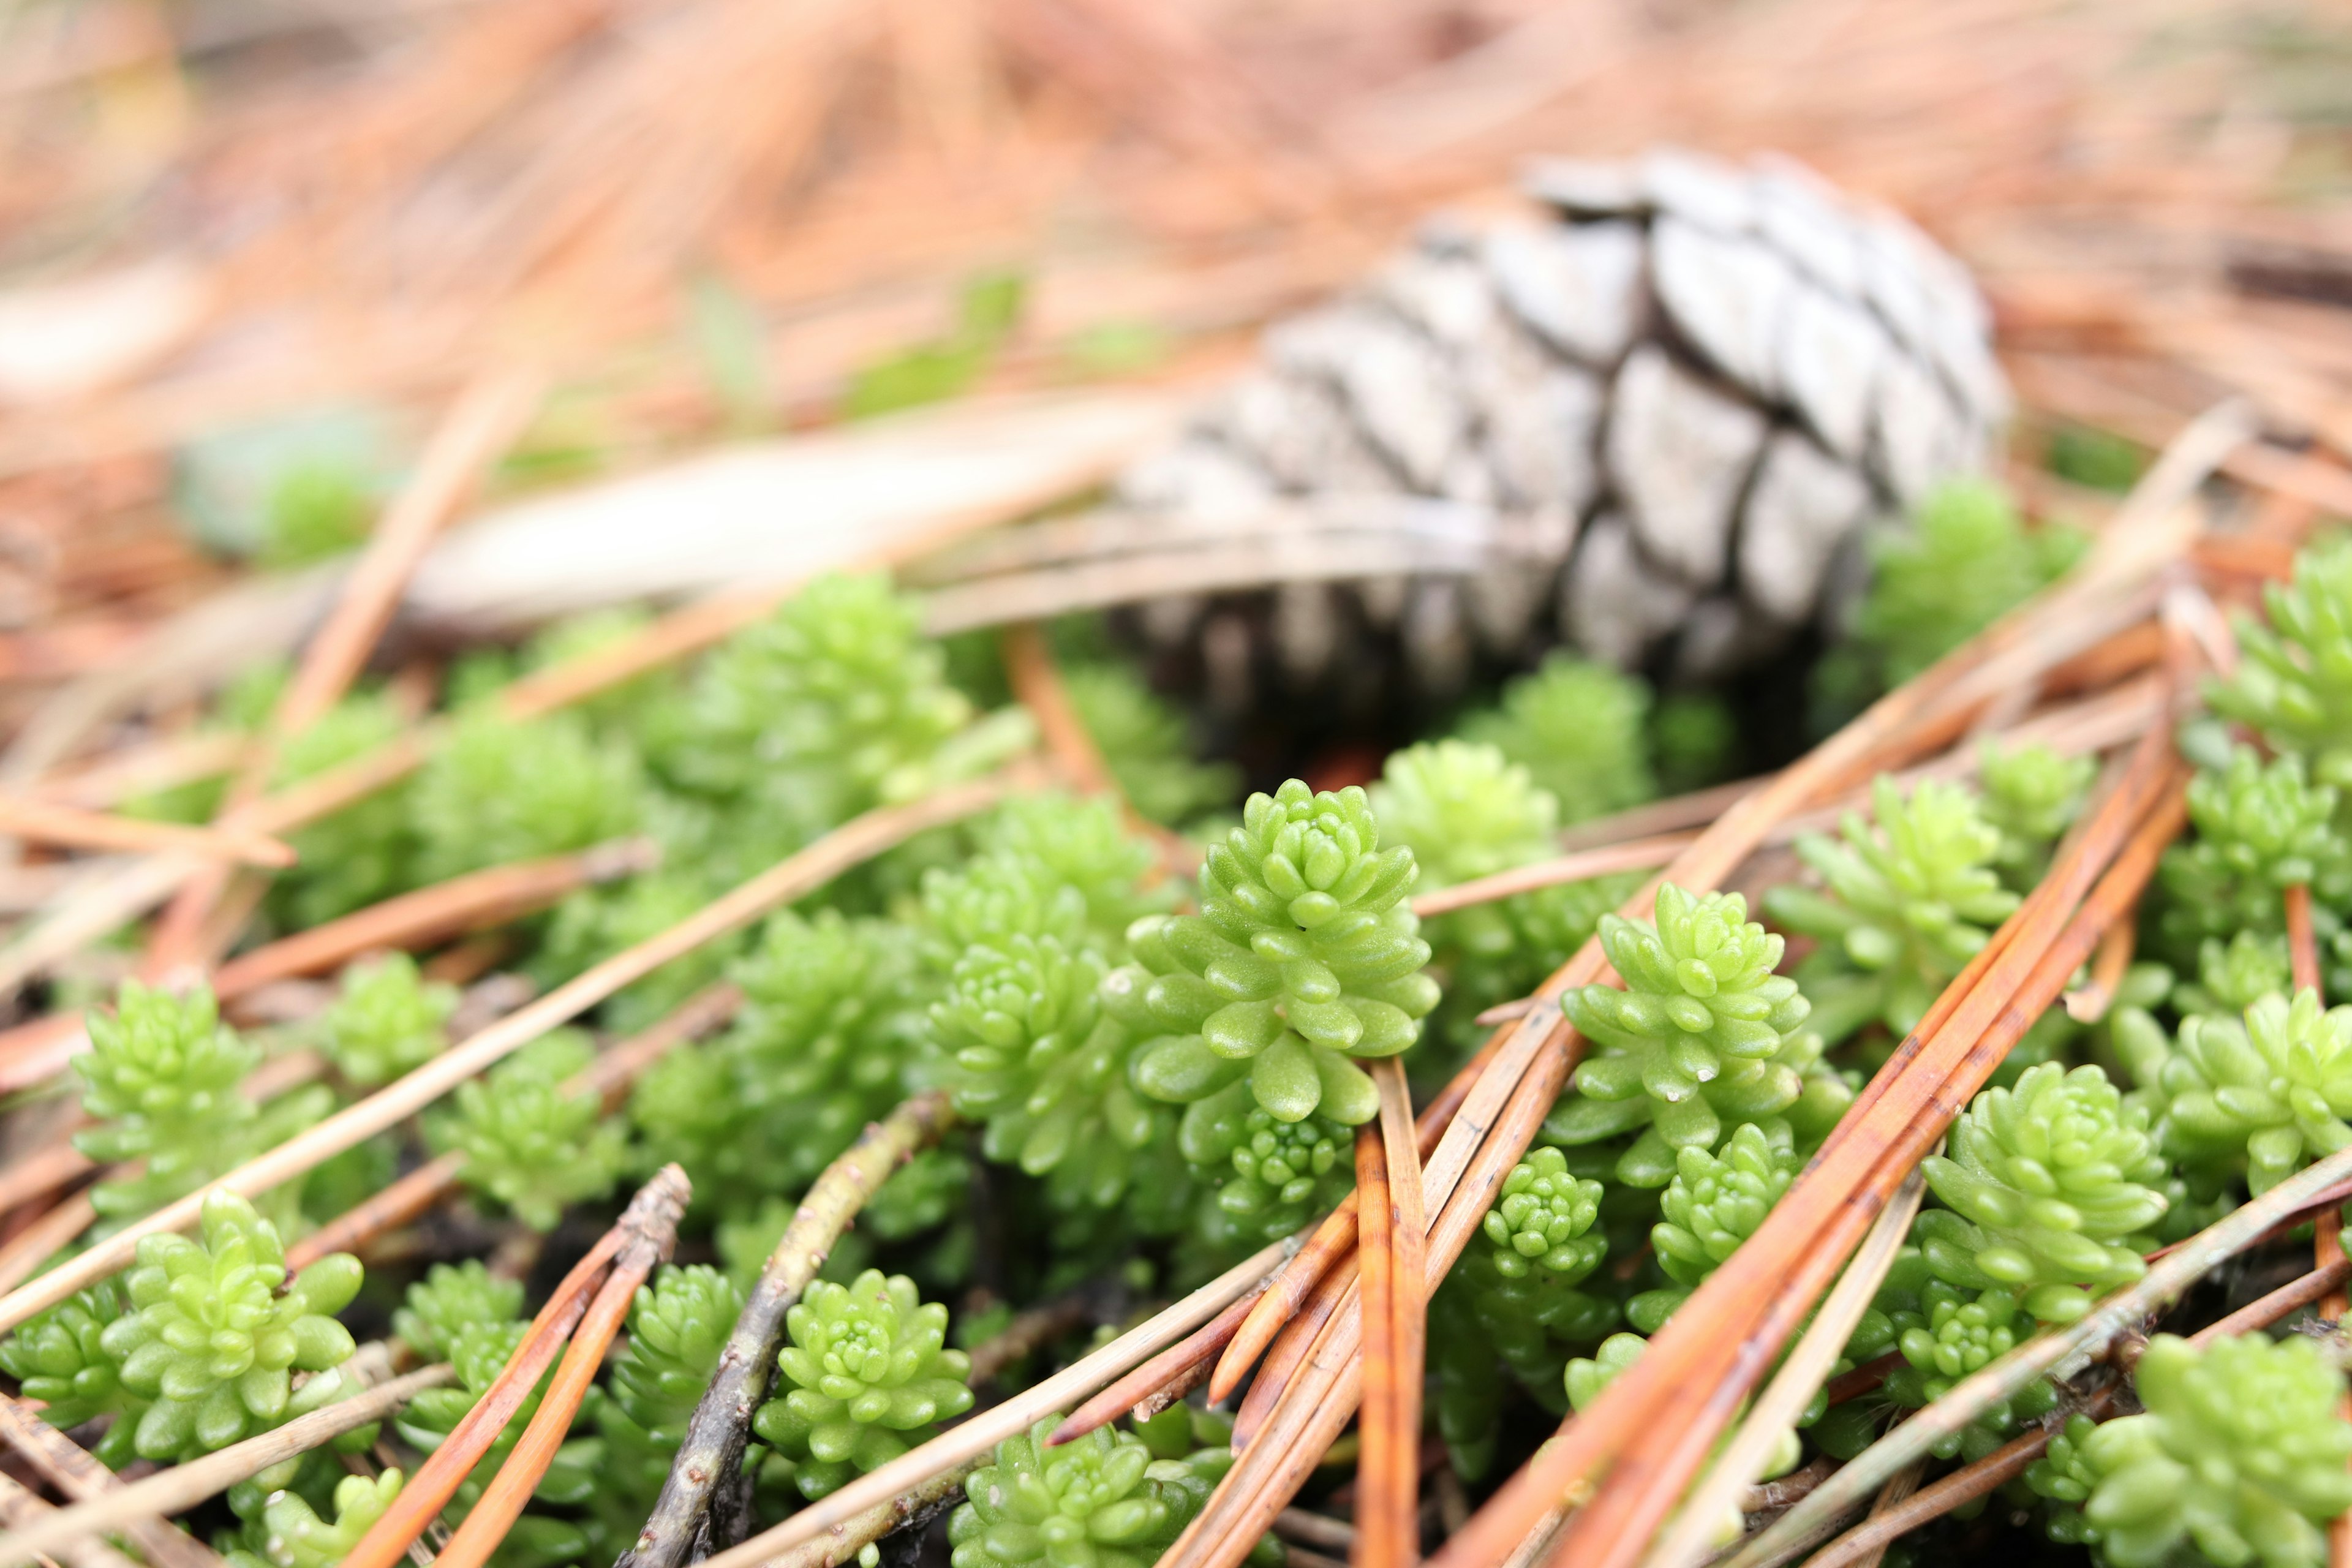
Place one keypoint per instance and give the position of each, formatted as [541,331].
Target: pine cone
[1654,423]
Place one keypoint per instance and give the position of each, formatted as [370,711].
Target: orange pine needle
[1389,1252]
[71,827]
[2302,941]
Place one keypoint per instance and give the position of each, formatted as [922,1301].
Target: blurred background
[231,230]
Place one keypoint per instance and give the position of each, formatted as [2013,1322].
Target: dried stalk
[844,1541]
[699,1502]
[977,1435]
[34,1051]
[2119,1314]
[795,877]
[652,1230]
[446,1468]
[1391,1249]
[184,1485]
[608,1075]
[1640,855]
[1031,1330]
[71,827]
[70,1468]
[20,1508]
[1688,1540]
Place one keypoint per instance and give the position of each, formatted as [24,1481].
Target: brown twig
[1391,1240]
[70,1468]
[71,827]
[183,1486]
[696,1507]
[1030,1330]
[651,1227]
[795,877]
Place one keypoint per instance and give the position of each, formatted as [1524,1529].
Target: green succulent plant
[499,791]
[387,1020]
[2275,1091]
[1577,726]
[59,1358]
[2048,1189]
[1943,1333]
[2260,829]
[450,1296]
[529,1143]
[212,1339]
[594,923]
[2233,978]
[1703,1034]
[836,695]
[1588,1376]
[1027,1048]
[2294,682]
[1906,900]
[678,1325]
[865,1378]
[1543,1220]
[1270,1175]
[2239,1457]
[2030,796]
[1304,957]
[366,851]
[1968,560]
[1513,945]
[1102,1500]
[1082,843]
[161,1079]
[288,1532]
[1715,1201]
[1143,742]
[1464,810]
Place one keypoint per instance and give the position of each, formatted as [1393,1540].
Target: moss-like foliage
[1103,1500]
[498,790]
[388,1020]
[2240,1458]
[1270,1175]
[2260,829]
[678,1326]
[2032,796]
[59,1357]
[1576,726]
[289,1532]
[1304,955]
[1968,560]
[1029,1049]
[450,1296]
[865,1378]
[836,699]
[1143,742]
[2294,684]
[212,1339]
[161,1078]
[2048,1188]
[1906,900]
[1704,1033]
[2274,1091]
[528,1142]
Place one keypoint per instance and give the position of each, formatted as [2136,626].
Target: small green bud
[865,1379]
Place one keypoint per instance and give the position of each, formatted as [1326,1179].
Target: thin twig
[184,1485]
[74,1471]
[1688,1539]
[697,1504]
[20,1509]
[981,1433]
[652,1225]
[1315,1529]
[842,1541]
[1030,1330]
[1161,1381]
[1577,866]
[1390,1247]
[797,875]
[71,827]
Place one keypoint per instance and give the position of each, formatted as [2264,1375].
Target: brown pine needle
[44,1238]
[1388,1250]
[652,1230]
[71,827]
[20,1508]
[2108,967]
[1641,855]
[689,1509]
[1160,1382]
[70,1468]
[2302,941]
[797,875]
[1037,686]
